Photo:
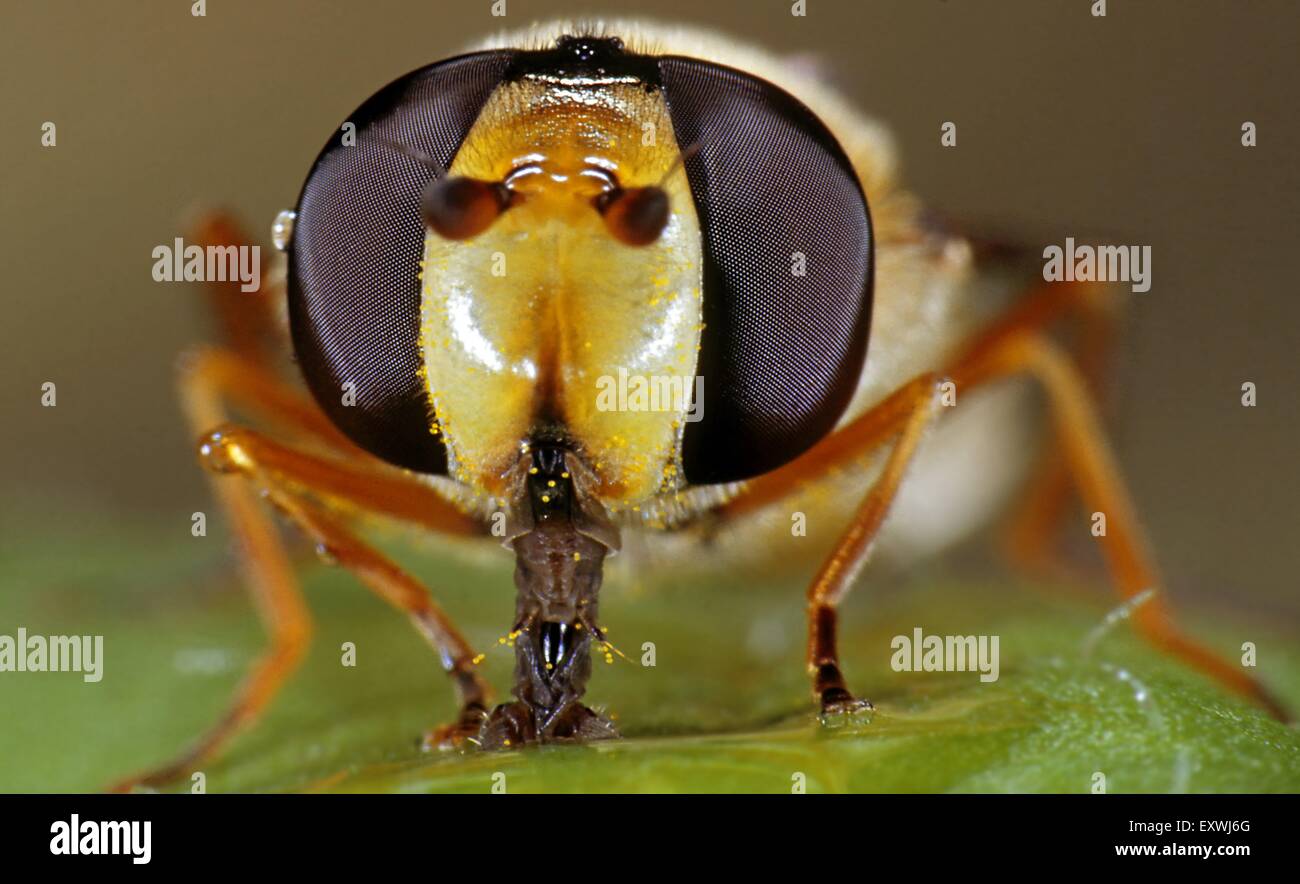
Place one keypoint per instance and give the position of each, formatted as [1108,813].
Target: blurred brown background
[1067,124]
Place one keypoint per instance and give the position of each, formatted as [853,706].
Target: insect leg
[407,594]
[212,378]
[1037,517]
[1097,479]
[841,568]
[269,575]
[1007,350]
[209,378]
[235,450]
[248,322]
[280,603]
[843,447]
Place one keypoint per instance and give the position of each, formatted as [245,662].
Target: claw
[839,708]
[457,735]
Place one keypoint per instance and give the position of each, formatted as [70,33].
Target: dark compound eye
[788,270]
[354,289]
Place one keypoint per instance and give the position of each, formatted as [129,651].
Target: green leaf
[726,707]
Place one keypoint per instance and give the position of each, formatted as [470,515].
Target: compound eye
[458,208]
[787,270]
[354,259]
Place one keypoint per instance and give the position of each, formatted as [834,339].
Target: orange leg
[1097,478]
[846,561]
[1008,350]
[269,575]
[246,321]
[1035,522]
[211,378]
[290,478]
[394,586]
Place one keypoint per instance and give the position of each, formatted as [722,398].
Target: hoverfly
[509,227]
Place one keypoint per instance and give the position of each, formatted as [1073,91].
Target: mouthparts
[560,534]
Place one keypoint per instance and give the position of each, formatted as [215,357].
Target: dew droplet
[282,229]
[215,454]
[326,557]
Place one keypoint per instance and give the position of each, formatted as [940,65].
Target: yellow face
[538,323]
